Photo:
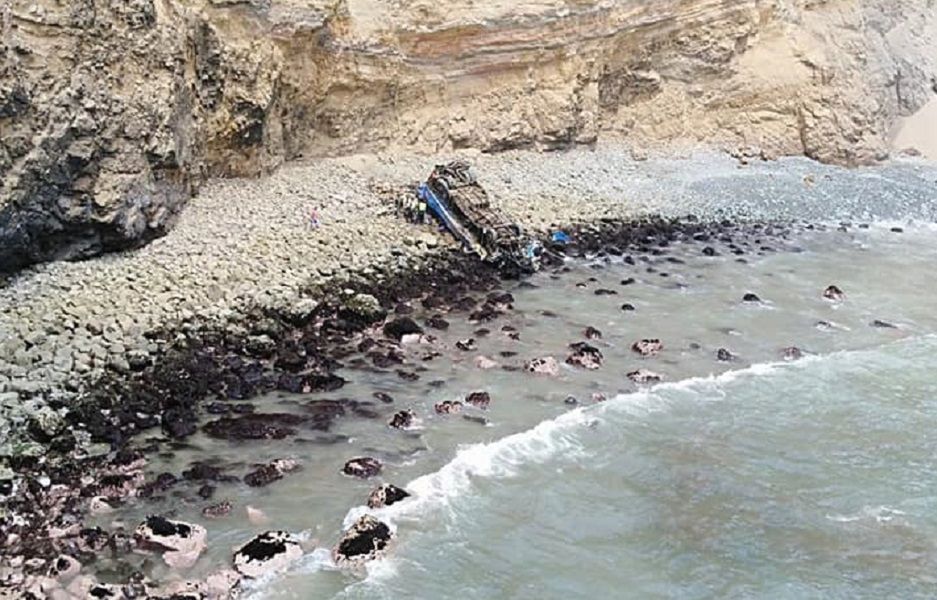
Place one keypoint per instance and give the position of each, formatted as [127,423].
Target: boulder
[546,365]
[269,552]
[362,467]
[448,407]
[362,309]
[647,347]
[724,355]
[591,333]
[402,420]
[834,293]
[181,543]
[584,356]
[401,326]
[643,376]
[386,495]
[366,540]
[792,353]
[270,472]
[479,399]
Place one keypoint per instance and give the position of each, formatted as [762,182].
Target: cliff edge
[113,111]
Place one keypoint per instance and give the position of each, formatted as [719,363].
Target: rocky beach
[264,299]
[237,360]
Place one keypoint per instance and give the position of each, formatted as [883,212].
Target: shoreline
[181,331]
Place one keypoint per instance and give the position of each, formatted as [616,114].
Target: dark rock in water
[834,293]
[591,333]
[465,304]
[216,511]
[363,467]
[571,401]
[178,423]
[269,552]
[723,355]
[792,353]
[217,408]
[386,495]
[883,324]
[475,419]
[437,322]
[407,375]
[366,540]
[366,344]
[647,347]
[507,353]
[750,297]
[326,409]
[316,382]
[549,314]
[709,251]
[605,292]
[402,420]
[206,491]
[486,313]
[384,397]
[585,356]
[897,230]
[501,299]
[400,327]
[482,332]
[644,376]
[526,285]
[258,426]
[628,281]
[273,471]
[466,345]
[199,471]
[448,407]
[437,383]
[264,475]
[627,307]
[479,399]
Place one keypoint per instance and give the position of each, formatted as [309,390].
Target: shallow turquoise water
[803,480]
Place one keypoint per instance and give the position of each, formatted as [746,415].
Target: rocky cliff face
[112,111]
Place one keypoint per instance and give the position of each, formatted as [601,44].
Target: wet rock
[476,419]
[501,300]
[258,426]
[362,467]
[181,543]
[216,511]
[546,365]
[647,347]
[605,292]
[479,399]
[792,353]
[591,333]
[724,355]
[270,472]
[627,307]
[437,322]
[466,345]
[644,376]
[178,423]
[750,297]
[448,407]
[883,324]
[482,332]
[401,326]
[402,420]
[407,375]
[585,356]
[628,281]
[384,397]
[386,495]
[834,293]
[366,540]
[206,492]
[269,552]
[199,471]
[571,401]
[709,251]
[599,397]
